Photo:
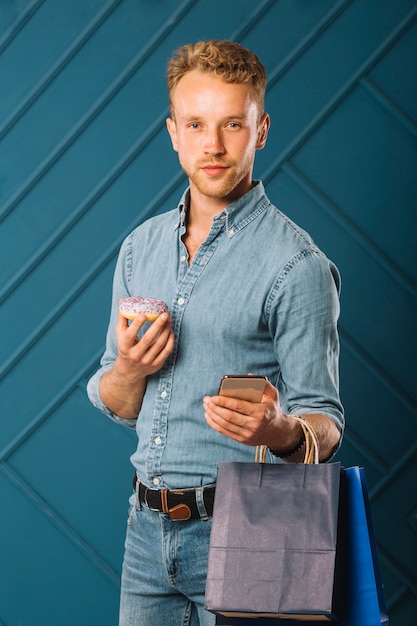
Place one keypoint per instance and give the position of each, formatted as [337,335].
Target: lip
[214,170]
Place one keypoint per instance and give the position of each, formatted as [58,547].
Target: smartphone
[243,387]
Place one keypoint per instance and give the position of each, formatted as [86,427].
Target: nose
[213,142]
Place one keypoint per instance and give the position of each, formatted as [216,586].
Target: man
[248,292]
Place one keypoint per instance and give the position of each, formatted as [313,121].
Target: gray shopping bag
[273,541]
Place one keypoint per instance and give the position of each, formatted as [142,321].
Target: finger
[122,323]
[230,411]
[131,329]
[158,351]
[220,421]
[127,334]
[155,340]
[161,325]
[244,407]
[224,425]
[270,393]
[137,323]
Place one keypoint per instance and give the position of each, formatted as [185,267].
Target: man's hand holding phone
[250,421]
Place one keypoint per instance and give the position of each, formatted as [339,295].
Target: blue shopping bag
[362,602]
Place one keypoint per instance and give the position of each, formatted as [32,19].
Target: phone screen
[243,387]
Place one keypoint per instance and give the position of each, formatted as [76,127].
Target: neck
[203,208]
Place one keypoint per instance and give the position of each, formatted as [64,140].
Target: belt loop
[136,506]
[199,498]
[137,503]
[164,500]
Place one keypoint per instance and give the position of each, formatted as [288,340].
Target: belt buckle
[145,499]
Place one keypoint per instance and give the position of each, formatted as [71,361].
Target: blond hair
[227,60]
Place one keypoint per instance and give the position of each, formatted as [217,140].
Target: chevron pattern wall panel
[85,157]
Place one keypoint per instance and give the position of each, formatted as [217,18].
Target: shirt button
[158,441]
[164,394]
[181,301]
[231,232]
[156,480]
[183,258]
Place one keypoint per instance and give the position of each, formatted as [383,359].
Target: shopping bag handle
[311,455]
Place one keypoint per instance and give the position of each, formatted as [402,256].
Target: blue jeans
[164,571]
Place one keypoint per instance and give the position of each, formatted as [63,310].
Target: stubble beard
[219,187]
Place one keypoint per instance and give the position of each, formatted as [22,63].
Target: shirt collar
[236,214]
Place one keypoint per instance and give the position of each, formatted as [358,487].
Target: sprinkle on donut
[131,307]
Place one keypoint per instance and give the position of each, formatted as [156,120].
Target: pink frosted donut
[130,307]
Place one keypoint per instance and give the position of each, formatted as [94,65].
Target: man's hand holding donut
[122,388]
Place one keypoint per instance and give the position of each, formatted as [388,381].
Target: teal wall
[84,157]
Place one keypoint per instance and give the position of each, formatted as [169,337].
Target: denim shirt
[258,297]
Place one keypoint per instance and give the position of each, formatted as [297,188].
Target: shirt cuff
[93,393]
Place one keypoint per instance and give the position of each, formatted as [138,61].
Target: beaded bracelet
[291,452]
[310,440]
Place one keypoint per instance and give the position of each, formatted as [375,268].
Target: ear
[263,129]
[172,130]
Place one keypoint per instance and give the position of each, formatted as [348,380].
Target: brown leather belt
[180,504]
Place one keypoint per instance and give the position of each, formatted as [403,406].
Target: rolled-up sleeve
[93,392]
[303,316]
[120,290]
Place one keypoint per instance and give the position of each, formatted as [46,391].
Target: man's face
[216,131]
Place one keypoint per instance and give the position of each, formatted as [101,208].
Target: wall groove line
[253,18]
[48,409]
[407,456]
[41,329]
[355,233]
[22,349]
[61,524]
[72,135]
[365,451]
[304,44]
[398,570]
[82,208]
[394,389]
[389,105]
[19,24]
[307,132]
[65,58]
[400,595]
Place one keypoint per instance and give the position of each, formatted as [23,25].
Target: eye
[234,125]
[194,125]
